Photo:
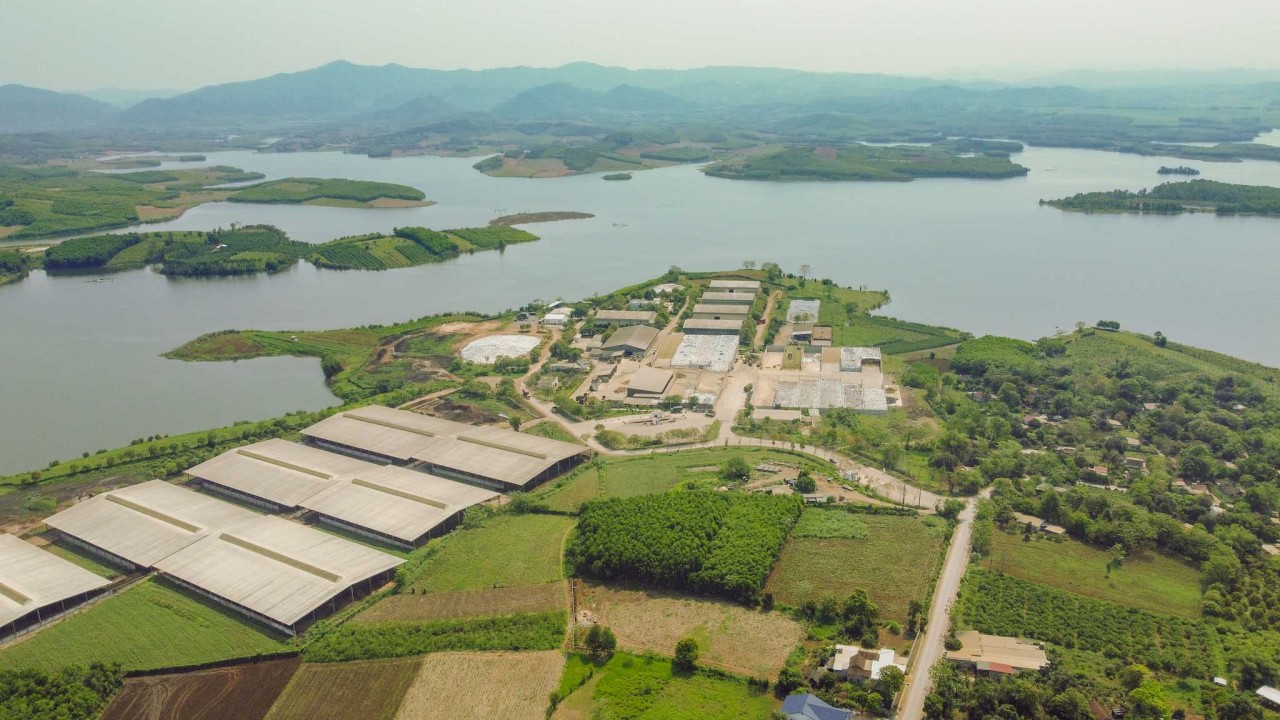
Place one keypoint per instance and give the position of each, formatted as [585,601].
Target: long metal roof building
[275,472]
[278,571]
[752,286]
[141,525]
[486,456]
[36,585]
[712,297]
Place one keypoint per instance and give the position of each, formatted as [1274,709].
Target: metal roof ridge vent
[279,557]
[500,446]
[399,493]
[282,463]
[153,513]
[12,593]
[388,423]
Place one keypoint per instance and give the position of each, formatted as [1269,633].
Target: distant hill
[126,97]
[26,109]
[563,100]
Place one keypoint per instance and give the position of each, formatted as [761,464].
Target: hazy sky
[84,44]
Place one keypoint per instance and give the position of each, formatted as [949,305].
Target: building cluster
[711,333]
[388,475]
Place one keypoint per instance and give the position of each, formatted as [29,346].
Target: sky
[183,44]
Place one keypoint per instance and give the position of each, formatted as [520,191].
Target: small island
[537,217]
[1180,170]
[617,176]
[898,163]
[1178,197]
[336,193]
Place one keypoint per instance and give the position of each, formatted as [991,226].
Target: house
[623,318]
[558,316]
[997,654]
[1231,490]
[1114,423]
[1136,463]
[1132,442]
[665,288]
[852,662]
[628,342]
[811,707]
[821,336]
[1270,696]
[1100,470]
[1198,489]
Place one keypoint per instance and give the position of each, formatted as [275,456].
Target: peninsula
[858,162]
[1178,197]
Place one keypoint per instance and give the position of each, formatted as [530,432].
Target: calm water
[81,365]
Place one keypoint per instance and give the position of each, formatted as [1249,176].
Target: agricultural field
[367,690]
[630,687]
[149,625]
[507,550]
[369,641]
[896,562]
[506,685]
[891,336]
[317,191]
[1154,583]
[731,637]
[237,692]
[412,246]
[547,597]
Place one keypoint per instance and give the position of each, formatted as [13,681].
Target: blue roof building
[811,707]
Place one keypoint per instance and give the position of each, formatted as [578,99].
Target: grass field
[552,430]
[150,625]
[824,523]
[368,690]
[629,687]
[730,636]
[507,685]
[240,692]
[895,563]
[84,561]
[368,641]
[469,603]
[1154,583]
[509,550]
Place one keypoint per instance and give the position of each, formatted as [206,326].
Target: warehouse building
[386,503]
[623,318]
[138,526]
[38,586]
[727,298]
[280,573]
[489,457]
[628,342]
[708,311]
[713,327]
[649,383]
[750,287]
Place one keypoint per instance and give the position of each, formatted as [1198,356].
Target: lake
[81,359]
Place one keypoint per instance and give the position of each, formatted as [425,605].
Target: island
[336,193]
[1180,170]
[1178,197]
[537,217]
[617,176]
[858,162]
[260,248]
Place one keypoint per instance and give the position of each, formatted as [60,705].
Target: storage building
[713,327]
[649,383]
[727,298]
[623,318]
[485,456]
[708,311]
[750,287]
[37,586]
[628,342]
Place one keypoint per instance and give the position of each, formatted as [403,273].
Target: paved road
[927,650]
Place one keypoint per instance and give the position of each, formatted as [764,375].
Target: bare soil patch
[507,685]
[240,692]
[547,597]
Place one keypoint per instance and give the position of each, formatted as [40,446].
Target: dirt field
[469,603]
[507,685]
[241,692]
[730,636]
[365,690]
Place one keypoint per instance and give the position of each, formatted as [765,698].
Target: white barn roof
[391,500]
[276,568]
[734,285]
[712,297]
[148,522]
[31,578]
[282,472]
[505,455]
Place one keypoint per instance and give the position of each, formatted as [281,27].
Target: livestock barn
[37,586]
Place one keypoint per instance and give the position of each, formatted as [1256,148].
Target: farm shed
[278,572]
[623,318]
[36,586]
[750,287]
[709,311]
[728,298]
[729,326]
[649,383]
[275,474]
[997,654]
[139,525]
[628,341]
[489,457]
[396,505]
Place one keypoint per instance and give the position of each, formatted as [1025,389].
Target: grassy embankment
[865,163]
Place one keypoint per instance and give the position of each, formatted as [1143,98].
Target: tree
[601,642]
[891,681]
[1160,340]
[1149,702]
[1239,706]
[686,658]
[735,469]
[805,483]
[789,680]
[1133,676]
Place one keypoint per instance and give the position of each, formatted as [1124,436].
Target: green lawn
[895,563]
[630,687]
[508,550]
[1155,583]
[150,625]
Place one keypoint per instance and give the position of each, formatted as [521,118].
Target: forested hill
[1178,197]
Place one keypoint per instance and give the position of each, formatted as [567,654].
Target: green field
[829,523]
[630,687]
[150,625]
[1155,583]
[507,550]
[368,641]
[896,563]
